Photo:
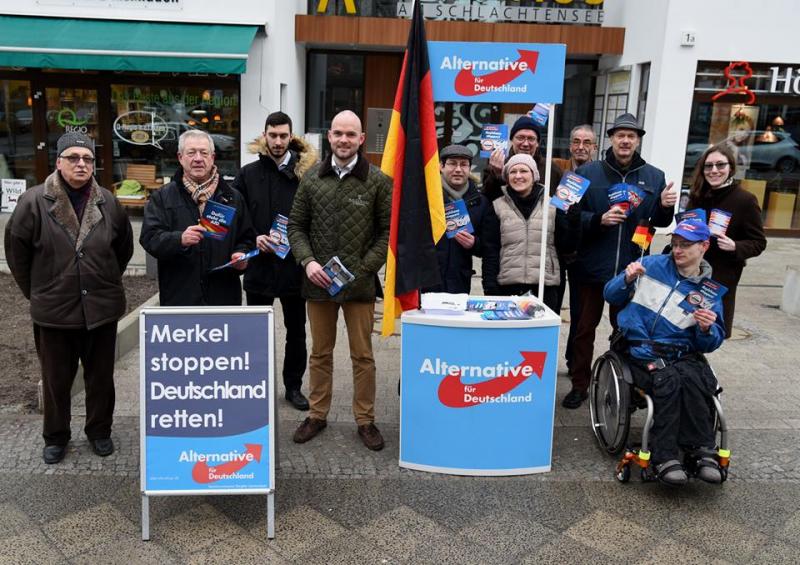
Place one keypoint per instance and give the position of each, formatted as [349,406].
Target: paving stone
[508,533]
[13,520]
[605,531]
[456,549]
[776,552]
[80,531]
[30,547]
[197,529]
[239,549]
[563,549]
[680,554]
[126,549]
[298,531]
[402,531]
[711,531]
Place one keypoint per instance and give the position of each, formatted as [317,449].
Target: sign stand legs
[145,518]
[271,515]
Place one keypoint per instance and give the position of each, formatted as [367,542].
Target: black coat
[455,262]
[268,192]
[183,272]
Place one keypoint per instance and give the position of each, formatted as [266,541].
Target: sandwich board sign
[207,403]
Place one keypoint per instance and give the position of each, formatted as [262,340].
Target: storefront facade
[707,85]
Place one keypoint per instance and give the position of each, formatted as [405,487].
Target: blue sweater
[652,312]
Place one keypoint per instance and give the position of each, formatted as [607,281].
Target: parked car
[776,150]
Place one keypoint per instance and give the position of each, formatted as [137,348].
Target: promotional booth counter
[477,396]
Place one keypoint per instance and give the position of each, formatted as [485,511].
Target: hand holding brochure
[718,222]
[570,191]
[709,293]
[217,219]
[338,274]
[494,136]
[278,236]
[246,257]
[456,218]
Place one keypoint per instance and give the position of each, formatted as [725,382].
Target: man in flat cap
[624,191]
[455,254]
[67,244]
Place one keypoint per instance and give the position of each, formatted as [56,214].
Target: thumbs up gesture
[669,196]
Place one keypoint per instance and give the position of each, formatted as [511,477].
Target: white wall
[725,30]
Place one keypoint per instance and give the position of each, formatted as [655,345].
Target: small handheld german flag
[643,235]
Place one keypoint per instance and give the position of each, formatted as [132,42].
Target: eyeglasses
[684,244]
[720,166]
[73,159]
[585,142]
[524,138]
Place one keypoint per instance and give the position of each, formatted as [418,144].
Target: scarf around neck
[202,192]
[453,193]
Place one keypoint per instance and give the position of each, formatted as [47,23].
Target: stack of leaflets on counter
[483,304]
[338,274]
[521,311]
[709,293]
[278,237]
[718,222]
[570,191]
[246,257]
[456,218]
[494,136]
[539,114]
[444,303]
[217,219]
[697,214]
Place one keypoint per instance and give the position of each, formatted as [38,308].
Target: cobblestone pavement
[339,503]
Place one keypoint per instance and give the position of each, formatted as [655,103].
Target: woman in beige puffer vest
[513,234]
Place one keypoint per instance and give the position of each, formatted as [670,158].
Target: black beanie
[525,122]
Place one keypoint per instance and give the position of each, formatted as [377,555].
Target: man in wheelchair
[664,344]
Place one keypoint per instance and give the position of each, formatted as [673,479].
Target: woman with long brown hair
[714,187]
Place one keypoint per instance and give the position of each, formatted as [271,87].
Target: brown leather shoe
[371,437]
[308,429]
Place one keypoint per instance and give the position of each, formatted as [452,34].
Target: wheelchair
[613,398]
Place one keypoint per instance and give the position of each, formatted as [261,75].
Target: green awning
[56,43]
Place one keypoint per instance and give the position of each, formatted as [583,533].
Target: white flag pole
[546,199]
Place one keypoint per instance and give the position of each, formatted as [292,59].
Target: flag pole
[546,199]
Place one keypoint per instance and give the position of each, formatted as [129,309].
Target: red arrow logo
[452,390]
[202,473]
[467,84]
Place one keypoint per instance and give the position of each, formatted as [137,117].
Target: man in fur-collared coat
[67,244]
[268,186]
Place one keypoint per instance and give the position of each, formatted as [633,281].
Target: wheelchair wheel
[609,403]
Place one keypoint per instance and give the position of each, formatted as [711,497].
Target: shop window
[148,120]
[16,131]
[335,82]
[70,109]
[761,121]
[644,86]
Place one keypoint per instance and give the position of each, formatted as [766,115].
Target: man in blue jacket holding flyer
[624,190]
[672,311]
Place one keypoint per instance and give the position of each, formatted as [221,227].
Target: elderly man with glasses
[582,148]
[67,244]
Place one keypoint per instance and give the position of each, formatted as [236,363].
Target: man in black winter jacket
[607,229]
[171,232]
[268,186]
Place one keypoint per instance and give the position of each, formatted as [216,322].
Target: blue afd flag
[497,72]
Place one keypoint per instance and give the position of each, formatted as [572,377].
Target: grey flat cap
[455,150]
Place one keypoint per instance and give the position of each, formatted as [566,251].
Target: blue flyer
[625,196]
[246,257]
[217,219]
[278,236]
[338,274]
[456,218]
[539,114]
[709,293]
[696,214]
[494,136]
[569,191]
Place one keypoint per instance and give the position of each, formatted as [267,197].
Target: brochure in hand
[570,191]
[625,196]
[338,274]
[709,293]
[494,136]
[539,114]
[696,214]
[217,219]
[718,222]
[456,218]
[278,238]
[246,257]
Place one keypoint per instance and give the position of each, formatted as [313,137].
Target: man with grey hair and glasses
[173,234]
[582,148]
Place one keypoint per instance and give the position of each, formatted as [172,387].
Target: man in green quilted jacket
[342,209]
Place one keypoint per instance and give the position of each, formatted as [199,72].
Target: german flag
[643,235]
[411,159]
